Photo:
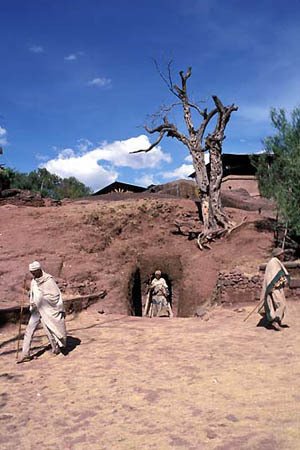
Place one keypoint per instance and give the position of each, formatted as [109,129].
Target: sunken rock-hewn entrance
[171,268]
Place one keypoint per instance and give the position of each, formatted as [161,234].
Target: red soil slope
[96,244]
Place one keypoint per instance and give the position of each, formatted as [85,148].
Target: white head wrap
[157,272]
[277,251]
[35,265]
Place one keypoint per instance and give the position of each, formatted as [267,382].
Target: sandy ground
[137,383]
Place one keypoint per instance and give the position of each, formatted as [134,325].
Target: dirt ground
[132,383]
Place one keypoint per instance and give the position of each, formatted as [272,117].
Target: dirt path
[156,384]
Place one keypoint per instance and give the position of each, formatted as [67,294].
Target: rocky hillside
[116,244]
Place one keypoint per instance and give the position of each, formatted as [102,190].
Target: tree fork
[209,185]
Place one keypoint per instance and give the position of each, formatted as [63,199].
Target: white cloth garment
[46,305]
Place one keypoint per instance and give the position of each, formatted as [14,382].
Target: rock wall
[236,287]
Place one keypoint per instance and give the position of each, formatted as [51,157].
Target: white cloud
[85,168]
[36,49]
[41,157]
[91,166]
[84,145]
[100,82]
[71,57]
[119,153]
[182,171]
[3,133]
[146,180]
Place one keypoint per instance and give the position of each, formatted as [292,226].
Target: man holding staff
[157,303]
[46,306]
[272,294]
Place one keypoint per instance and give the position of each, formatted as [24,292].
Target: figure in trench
[157,303]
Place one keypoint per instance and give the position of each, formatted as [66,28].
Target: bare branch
[161,135]
[224,116]
[168,81]
[196,107]
[161,74]
[165,128]
[218,103]
[163,111]
[174,133]
[181,93]
[184,77]
[206,119]
[170,73]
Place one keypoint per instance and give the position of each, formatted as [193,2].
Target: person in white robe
[272,294]
[157,303]
[46,306]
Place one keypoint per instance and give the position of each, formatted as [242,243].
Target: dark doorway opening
[135,294]
[142,274]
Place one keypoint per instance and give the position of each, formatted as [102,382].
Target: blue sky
[78,80]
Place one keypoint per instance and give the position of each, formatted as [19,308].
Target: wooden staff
[256,306]
[148,303]
[21,317]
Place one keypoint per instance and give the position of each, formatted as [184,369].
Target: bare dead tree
[215,220]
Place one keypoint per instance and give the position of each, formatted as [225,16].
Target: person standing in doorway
[158,297]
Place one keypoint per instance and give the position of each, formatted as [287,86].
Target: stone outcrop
[22,197]
[178,188]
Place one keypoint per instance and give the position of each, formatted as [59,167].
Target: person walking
[46,306]
[272,294]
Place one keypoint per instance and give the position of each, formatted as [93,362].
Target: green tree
[278,168]
[42,181]
[6,176]
[72,188]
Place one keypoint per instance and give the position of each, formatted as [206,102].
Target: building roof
[236,164]
[118,186]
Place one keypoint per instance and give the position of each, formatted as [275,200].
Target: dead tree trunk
[202,182]
[209,183]
[213,144]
